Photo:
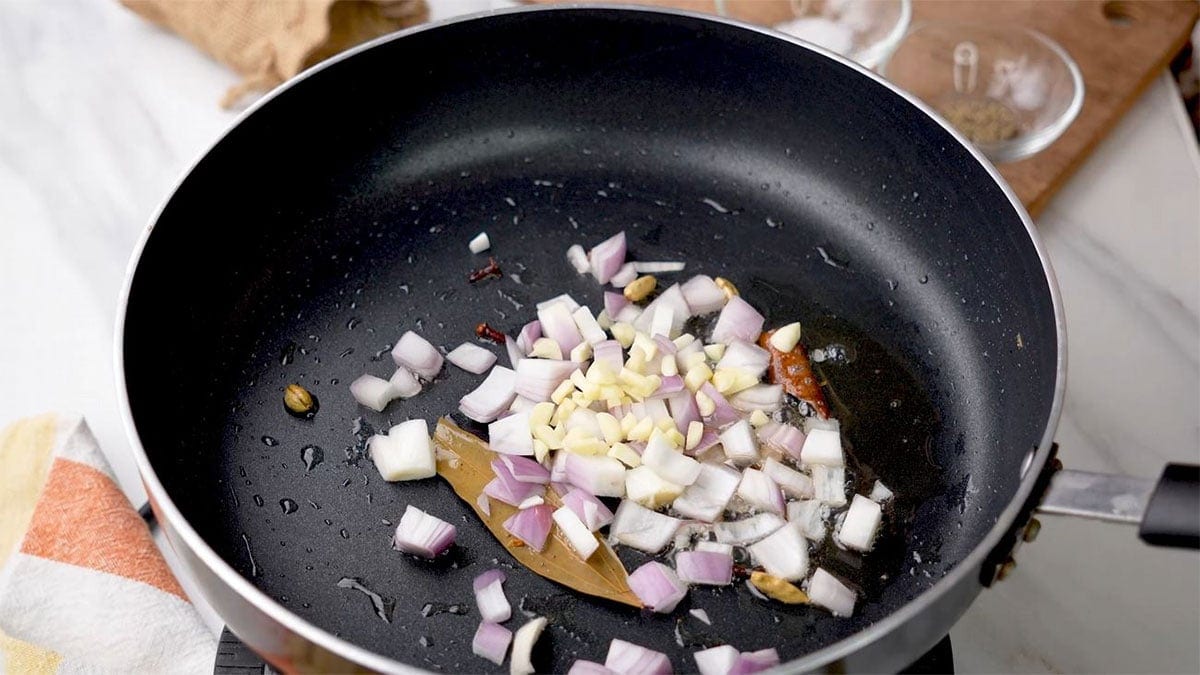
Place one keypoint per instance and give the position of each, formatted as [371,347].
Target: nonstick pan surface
[336,216]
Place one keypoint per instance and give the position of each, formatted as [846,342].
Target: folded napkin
[83,588]
[269,41]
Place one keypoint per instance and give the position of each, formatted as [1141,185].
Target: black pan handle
[1167,512]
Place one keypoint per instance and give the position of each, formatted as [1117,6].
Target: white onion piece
[783,437]
[607,257]
[682,408]
[484,504]
[748,663]
[471,358]
[581,667]
[742,354]
[613,302]
[658,267]
[738,441]
[531,525]
[657,586]
[822,446]
[479,243]
[610,353]
[529,334]
[638,527]
[491,642]
[416,353]
[704,567]
[490,598]
[826,590]
[703,294]
[536,379]
[669,463]
[759,491]
[422,534]
[715,660]
[563,298]
[598,475]
[701,616]
[492,397]
[714,547]
[405,453]
[624,276]
[673,298]
[514,351]
[577,533]
[531,501]
[373,392]
[747,530]
[724,413]
[688,532]
[827,423]
[521,404]
[558,325]
[510,435]
[558,467]
[792,482]
[629,314]
[737,321]
[584,418]
[829,484]
[630,659]
[525,470]
[404,383]
[661,322]
[765,397]
[522,649]
[591,511]
[810,516]
[586,323]
[880,492]
[860,524]
[578,259]
[783,553]
[707,497]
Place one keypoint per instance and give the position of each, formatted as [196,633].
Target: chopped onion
[748,663]
[489,597]
[514,351]
[826,590]
[680,312]
[558,325]
[657,267]
[629,314]
[558,467]
[714,547]
[657,586]
[660,322]
[484,504]
[829,484]
[689,531]
[528,335]
[738,441]
[479,243]
[373,392]
[671,384]
[531,525]
[598,475]
[609,353]
[880,492]
[578,259]
[747,530]
[471,358]
[707,497]
[822,446]
[492,397]
[665,345]
[809,515]
[704,567]
[764,397]
[577,533]
[504,488]
[701,616]
[638,527]
[759,491]
[614,302]
[588,328]
[792,482]
[564,298]
[624,276]
[405,453]
[590,510]
[511,436]
[783,553]
[521,404]
[531,501]
[416,353]
[723,413]
[742,354]
[491,641]
[536,379]
[860,524]
[783,437]
[422,534]
[525,470]
[607,257]
[703,294]
[523,641]
[647,488]
[669,463]
[581,667]
[737,321]
[630,659]
[715,660]
[682,408]
[584,418]
[404,383]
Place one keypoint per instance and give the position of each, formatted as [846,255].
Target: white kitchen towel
[83,588]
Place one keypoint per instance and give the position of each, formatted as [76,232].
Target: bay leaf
[464,461]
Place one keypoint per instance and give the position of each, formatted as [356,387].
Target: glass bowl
[1010,90]
[864,31]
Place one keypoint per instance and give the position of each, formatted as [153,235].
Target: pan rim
[374,661]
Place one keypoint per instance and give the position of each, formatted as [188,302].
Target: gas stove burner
[235,658]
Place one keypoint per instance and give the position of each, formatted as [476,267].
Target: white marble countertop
[99,113]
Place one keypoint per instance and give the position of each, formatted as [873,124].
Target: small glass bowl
[864,31]
[1010,90]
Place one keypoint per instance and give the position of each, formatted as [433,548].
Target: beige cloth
[269,41]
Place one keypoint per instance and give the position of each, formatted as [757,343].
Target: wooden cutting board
[1120,45]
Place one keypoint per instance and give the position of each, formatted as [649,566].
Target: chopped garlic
[563,390]
[623,333]
[582,352]
[545,348]
[641,431]
[714,351]
[684,340]
[694,432]
[705,404]
[669,367]
[625,454]
[647,488]
[697,376]
[479,243]
[541,414]
[540,450]
[758,418]
[609,427]
[786,338]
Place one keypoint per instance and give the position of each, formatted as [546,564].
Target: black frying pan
[336,216]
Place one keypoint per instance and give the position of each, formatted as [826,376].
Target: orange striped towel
[82,586]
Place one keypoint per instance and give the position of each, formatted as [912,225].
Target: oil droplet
[288,506]
[287,354]
[383,606]
[311,455]
[269,441]
[250,554]
[893,284]
[924,279]
[345,534]
[353,322]
[346,352]
[258,500]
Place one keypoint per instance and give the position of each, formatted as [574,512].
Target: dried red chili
[795,373]
[485,332]
[489,270]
